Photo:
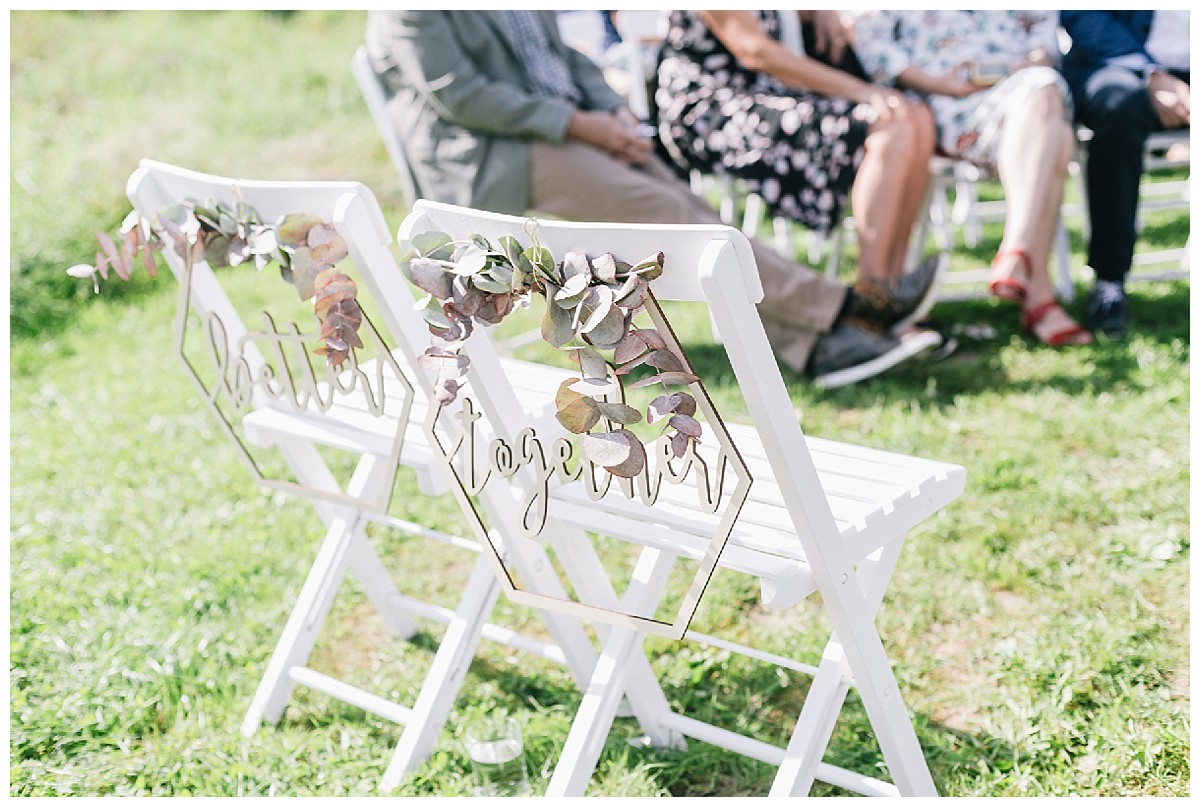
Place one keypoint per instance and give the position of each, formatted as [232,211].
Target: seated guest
[496,113]
[998,102]
[1129,74]
[733,99]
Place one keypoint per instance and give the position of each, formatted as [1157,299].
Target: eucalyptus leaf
[687,404]
[572,291]
[471,261]
[428,275]
[430,241]
[609,332]
[605,268]
[575,264]
[629,349]
[292,230]
[619,412]
[491,285]
[664,378]
[662,406]
[679,444]
[665,360]
[686,424]
[216,250]
[608,448]
[597,304]
[557,327]
[595,386]
[511,248]
[633,464]
[579,415]
[651,337]
[591,363]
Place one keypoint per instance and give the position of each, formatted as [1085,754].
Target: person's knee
[897,139]
[1048,102]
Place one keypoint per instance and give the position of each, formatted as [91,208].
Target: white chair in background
[799,514]
[375,94]
[372,413]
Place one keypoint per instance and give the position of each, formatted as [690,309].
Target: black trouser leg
[1116,107]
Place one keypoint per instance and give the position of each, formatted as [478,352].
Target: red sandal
[1069,335]
[1010,289]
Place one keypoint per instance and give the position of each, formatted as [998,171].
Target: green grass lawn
[1039,626]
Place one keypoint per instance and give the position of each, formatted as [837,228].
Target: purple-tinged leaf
[651,337]
[665,378]
[687,404]
[608,448]
[633,465]
[662,406]
[679,444]
[629,349]
[665,360]
[686,424]
[591,363]
[575,264]
[609,332]
[428,275]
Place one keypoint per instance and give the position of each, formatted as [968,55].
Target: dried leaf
[429,242]
[591,363]
[571,292]
[597,304]
[565,395]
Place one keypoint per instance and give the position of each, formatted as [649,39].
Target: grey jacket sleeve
[424,47]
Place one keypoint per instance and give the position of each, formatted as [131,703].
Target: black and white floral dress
[799,151]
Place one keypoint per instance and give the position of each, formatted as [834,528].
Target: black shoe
[853,352]
[893,306]
[1108,310]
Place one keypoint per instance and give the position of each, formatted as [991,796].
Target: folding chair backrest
[375,94]
[253,375]
[707,264]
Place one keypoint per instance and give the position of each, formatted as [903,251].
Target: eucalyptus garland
[590,307]
[305,247]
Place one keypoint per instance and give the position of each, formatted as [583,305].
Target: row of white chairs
[813,517]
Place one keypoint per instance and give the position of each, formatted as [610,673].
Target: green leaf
[470,261]
[428,242]
[511,249]
[292,230]
[591,363]
[598,304]
[571,292]
[609,332]
[619,412]
[557,327]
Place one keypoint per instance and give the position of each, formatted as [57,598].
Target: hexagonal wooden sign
[539,474]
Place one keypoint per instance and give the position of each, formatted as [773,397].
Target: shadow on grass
[747,697]
[1161,319]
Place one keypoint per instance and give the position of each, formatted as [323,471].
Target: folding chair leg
[646,699]
[852,612]
[594,718]
[446,674]
[345,542]
[823,705]
[300,632]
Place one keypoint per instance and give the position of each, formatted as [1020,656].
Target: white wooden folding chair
[802,515]
[375,94]
[375,419]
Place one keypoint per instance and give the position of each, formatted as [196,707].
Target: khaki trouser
[579,182]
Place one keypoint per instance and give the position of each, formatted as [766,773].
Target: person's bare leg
[876,196]
[913,183]
[1035,148]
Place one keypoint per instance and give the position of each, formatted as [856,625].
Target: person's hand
[889,105]
[830,34]
[1172,100]
[956,83]
[614,133]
